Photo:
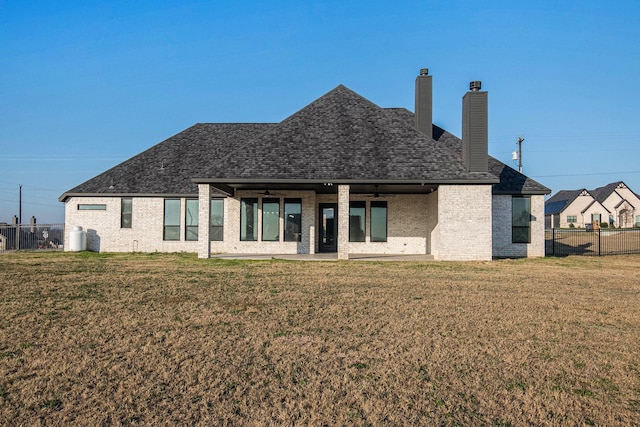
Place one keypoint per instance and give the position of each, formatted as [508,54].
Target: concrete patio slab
[326,257]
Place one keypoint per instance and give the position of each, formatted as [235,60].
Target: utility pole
[519,142]
[20,205]
[19,218]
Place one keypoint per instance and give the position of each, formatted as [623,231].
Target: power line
[30,203]
[583,174]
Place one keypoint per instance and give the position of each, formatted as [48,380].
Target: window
[191,219]
[216,220]
[248,219]
[572,218]
[292,220]
[171,219]
[125,212]
[271,220]
[378,221]
[357,221]
[638,221]
[521,220]
[94,207]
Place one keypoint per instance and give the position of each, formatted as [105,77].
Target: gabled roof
[602,193]
[340,137]
[593,202]
[622,202]
[559,201]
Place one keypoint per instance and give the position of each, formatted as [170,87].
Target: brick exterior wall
[103,226]
[502,219]
[450,223]
[410,220]
[204,195]
[464,226]
[233,244]
[343,222]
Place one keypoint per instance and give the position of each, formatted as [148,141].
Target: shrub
[604,225]
[571,225]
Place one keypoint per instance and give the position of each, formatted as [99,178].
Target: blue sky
[85,85]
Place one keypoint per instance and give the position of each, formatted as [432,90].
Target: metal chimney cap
[424,71]
[475,86]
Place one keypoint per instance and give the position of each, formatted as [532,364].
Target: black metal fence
[49,237]
[599,242]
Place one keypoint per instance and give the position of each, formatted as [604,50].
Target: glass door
[328,227]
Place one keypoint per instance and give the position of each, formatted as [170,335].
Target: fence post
[553,241]
[599,242]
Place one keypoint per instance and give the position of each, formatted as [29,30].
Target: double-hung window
[357,221]
[216,220]
[248,219]
[292,220]
[271,220]
[378,221]
[521,219]
[191,219]
[126,210]
[171,229]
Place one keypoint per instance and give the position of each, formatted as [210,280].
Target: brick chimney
[423,106]
[475,134]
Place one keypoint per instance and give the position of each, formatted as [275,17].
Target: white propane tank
[77,239]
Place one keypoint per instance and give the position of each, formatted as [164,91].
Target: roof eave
[66,196]
[231,181]
[522,192]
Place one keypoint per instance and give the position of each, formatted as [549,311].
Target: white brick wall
[233,244]
[410,219]
[454,222]
[464,223]
[502,219]
[343,222]
[103,226]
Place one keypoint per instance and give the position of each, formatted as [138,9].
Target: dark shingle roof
[340,136]
[511,181]
[601,193]
[167,167]
[343,136]
[560,200]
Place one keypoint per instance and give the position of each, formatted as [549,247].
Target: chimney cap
[424,71]
[475,86]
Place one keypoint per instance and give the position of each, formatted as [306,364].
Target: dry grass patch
[152,339]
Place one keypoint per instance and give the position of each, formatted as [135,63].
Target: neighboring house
[622,203]
[614,204]
[341,175]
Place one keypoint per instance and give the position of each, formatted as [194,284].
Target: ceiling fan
[375,194]
[265,193]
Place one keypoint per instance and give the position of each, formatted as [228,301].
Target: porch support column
[343,222]
[204,204]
